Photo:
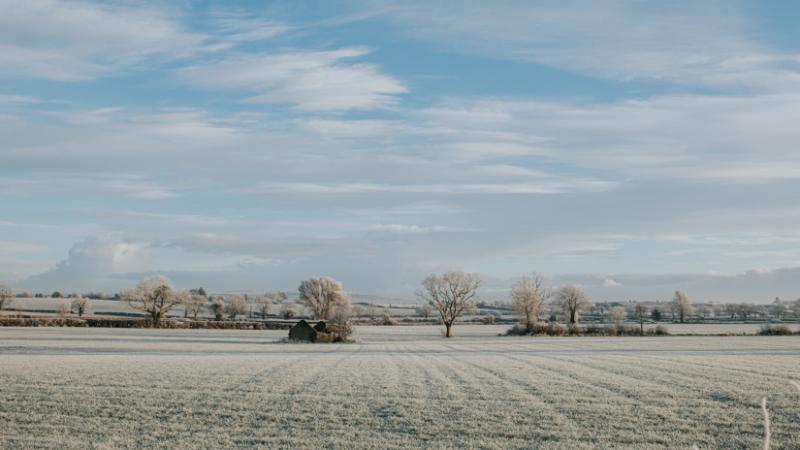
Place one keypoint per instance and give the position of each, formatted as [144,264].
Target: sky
[633,147]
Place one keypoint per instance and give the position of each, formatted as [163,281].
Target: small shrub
[340,326]
[387,319]
[518,330]
[557,329]
[776,330]
[660,330]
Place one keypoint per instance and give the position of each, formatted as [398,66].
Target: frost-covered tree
[323,296]
[6,296]
[618,315]
[682,305]
[80,306]
[236,305]
[288,311]
[572,301]
[264,302]
[193,304]
[450,295]
[155,296]
[63,308]
[424,310]
[641,311]
[528,296]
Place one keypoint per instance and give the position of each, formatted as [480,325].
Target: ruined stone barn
[320,332]
[302,332]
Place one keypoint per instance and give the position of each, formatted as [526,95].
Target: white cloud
[408,229]
[93,259]
[611,283]
[131,186]
[71,41]
[687,42]
[16,99]
[237,26]
[689,138]
[315,81]
[550,185]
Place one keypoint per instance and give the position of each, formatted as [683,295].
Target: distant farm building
[303,332]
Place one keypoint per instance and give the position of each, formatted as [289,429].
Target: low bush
[659,330]
[340,327]
[776,330]
[388,320]
[557,329]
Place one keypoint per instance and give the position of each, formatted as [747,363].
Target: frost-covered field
[398,387]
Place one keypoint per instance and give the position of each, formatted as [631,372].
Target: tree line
[446,296]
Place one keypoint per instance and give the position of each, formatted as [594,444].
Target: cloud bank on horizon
[634,147]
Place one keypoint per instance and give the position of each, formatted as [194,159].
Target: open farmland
[397,387]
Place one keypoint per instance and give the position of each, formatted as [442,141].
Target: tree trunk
[572,316]
[448,332]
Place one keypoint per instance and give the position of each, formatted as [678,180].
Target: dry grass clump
[557,329]
[341,327]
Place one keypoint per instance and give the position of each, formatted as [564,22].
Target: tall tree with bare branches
[6,296]
[236,305]
[450,295]
[323,296]
[641,312]
[528,297]
[194,304]
[682,305]
[80,305]
[155,296]
[572,301]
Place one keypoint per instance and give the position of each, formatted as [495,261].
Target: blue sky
[633,147]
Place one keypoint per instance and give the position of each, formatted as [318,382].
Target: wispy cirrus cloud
[81,40]
[308,80]
[709,43]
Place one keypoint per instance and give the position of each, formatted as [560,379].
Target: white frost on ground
[397,387]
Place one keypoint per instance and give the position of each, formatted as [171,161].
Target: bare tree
[572,301]
[193,304]
[424,310]
[641,311]
[80,306]
[155,296]
[263,303]
[618,315]
[278,296]
[682,305]
[528,298]
[288,311]
[236,305]
[63,308]
[6,296]
[450,295]
[323,296]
